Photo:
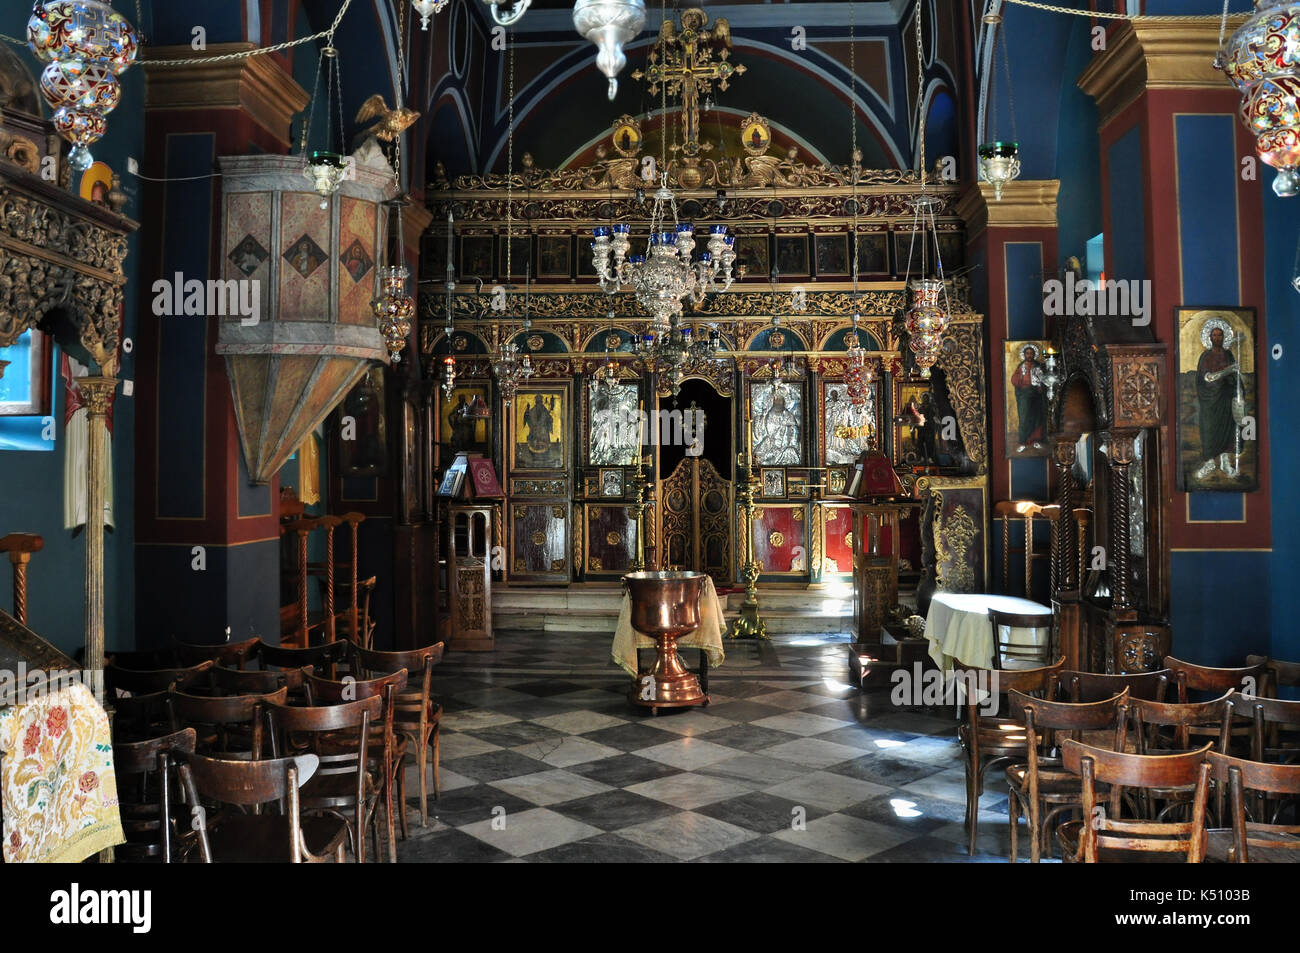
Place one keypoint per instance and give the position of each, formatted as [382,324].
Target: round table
[958,626]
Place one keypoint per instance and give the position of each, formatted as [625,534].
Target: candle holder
[749,624]
[639,486]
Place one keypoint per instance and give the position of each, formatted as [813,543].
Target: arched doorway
[696,518]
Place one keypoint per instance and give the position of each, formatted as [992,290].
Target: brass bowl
[665,603]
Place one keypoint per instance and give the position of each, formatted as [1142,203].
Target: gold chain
[920,90]
[326,35]
[510,162]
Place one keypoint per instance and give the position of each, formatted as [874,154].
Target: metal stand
[748,625]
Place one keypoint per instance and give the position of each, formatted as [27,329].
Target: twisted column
[1122,444]
[1065,570]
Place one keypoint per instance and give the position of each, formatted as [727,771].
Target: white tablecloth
[958,626]
[708,636]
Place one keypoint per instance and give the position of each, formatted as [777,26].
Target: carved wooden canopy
[1123,366]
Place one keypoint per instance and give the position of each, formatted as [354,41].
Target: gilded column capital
[259,85]
[1155,54]
[1064,448]
[1025,203]
[1121,447]
[98,393]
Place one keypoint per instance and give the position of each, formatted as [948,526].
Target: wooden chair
[1042,784]
[1254,841]
[1215,681]
[1093,687]
[139,717]
[233,681]
[117,679]
[1104,836]
[143,771]
[322,658]
[230,725]
[1025,512]
[234,837]
[1280,674]
[1170,728]
[343,785]
[229,654]
[20,547]
[389,764]
[1008,653]
[989,741]
[416,715]
[1275,727]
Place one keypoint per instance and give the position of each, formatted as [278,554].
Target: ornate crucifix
[683,62]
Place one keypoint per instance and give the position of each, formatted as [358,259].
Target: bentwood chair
[1103,835]
[1168,728]
[387,748]
[230,726]
[343,786]
[234,681]
[1094,687]
[991,740]
[1010,648]
[144,772]
[1275,727]
[231,836]
[1041,786]
[1280,674]
[322,658]
[229,654]
[416,715]
[1255,841]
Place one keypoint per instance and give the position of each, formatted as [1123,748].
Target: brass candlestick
[639,485]
[748,624]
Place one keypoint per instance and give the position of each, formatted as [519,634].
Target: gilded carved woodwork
[962,360]
[955,545]
[60,252]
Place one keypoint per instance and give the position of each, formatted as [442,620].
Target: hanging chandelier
[999,159]
[449,287]
[926,321]
[667,276]
[609,24]
[427,9]
[86,45]
[678,352]
[1263,62]
[510,370]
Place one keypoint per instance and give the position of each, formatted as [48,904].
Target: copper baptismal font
[665,607]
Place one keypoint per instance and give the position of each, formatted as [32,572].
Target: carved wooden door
[697,515]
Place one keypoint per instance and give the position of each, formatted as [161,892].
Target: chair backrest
[224,712]
[141,757]
[1240,776]
[1285,674]
[1150,716]
[141,682]
[1269,717]
[327,691]
[1027,681]
[1010,647]
[229,654]
[373,662]
[1216,681]
[321,657]
[1093,686]
[1046,720]
[1105,829]
[145,809]
[234,681]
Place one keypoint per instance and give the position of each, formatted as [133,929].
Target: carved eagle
[388,123]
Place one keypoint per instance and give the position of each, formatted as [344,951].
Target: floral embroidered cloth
[57,787]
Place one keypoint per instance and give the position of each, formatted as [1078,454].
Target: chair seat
[1054,782]
[1221,841]
[264,838]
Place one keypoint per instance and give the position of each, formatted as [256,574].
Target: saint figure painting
[1217,429]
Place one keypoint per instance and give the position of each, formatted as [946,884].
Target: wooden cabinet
[469,572]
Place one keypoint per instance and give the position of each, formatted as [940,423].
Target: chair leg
[437,759]
[972,807]
[421,760]
[401,797]
[1013,815]
[1035,831]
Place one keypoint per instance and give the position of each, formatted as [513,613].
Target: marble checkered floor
[544,759]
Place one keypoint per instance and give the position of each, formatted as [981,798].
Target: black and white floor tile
[545,760]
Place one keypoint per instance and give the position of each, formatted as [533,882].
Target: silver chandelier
[667,276]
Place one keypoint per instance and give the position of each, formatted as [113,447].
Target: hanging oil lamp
[325,168]
[926,321]
[86,45]
[394,308]
[427,8]
[1263,62]
[999,164]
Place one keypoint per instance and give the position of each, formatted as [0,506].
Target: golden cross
[683,62]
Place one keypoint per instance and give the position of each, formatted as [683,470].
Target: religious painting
[519,257]
[773,482]
[613,425]
[797,486]
[539,425]
[848,430]
[96,182]
[752,254]
[837,481]
[25,381]
[1026,398]
[553,254]
[832,255]
[952,251]
[913,254]
[611,483]
[476,257]
[626,137]
[466,424]
[776,426]
[363,441]
[1218,444]
[914,434]
[873,254]
[792,255]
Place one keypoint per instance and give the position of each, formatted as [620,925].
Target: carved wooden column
[20,547]
[1065,571]
[98,392]
[1120,448]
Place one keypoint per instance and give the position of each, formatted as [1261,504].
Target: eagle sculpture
[387,123]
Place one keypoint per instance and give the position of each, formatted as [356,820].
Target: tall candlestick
[749,439]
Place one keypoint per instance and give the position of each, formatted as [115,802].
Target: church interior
[464,431]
